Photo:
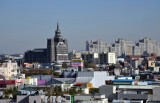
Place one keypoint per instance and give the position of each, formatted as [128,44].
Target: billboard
[77,60]
[7,81]
[19,80]
[76,64]
[41,82]
[89,85]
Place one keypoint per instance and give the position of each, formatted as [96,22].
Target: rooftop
[123,80]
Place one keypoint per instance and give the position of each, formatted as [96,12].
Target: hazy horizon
[26,25]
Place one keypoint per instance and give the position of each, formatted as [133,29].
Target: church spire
[57,26]
[57,32]
[58,37]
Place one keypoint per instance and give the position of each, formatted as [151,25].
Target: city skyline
[121,47]
[26,25]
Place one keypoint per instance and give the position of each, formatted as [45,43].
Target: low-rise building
[134,60]
[74,54]
[131,92]
[154,97]
[9,68]
[90,98]
[97,78]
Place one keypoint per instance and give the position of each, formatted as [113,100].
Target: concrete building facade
[107,58]
[149,46]
[8,69]
[90,57]
[97,46]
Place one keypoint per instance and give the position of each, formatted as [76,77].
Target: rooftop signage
[7,82]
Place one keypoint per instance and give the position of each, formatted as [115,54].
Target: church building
[56,51]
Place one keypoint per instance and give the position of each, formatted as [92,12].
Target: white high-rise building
[111,58]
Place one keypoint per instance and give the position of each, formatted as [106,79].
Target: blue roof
[135,75]
[150,82]
[123,80]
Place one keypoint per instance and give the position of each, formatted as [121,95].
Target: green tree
[93,90]
[56,73]
[14,93]
[57,90]
[72,91]
[49,91]
[90,65]
[38,88]
[6,93]
[80,91]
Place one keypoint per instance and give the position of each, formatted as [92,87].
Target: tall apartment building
[57,50]
[97,46]
[136,50]
[123,47]
[149,46]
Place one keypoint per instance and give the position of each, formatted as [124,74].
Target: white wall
[111,58]
[9,69]
[124,77]
[32,81]
[100,77]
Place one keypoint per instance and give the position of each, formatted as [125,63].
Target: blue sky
[26,24]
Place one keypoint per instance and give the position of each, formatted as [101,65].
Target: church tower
[50,50]
[58,37]
[61,46]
